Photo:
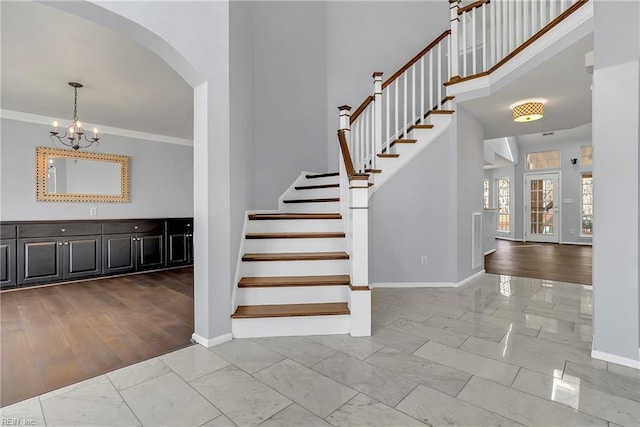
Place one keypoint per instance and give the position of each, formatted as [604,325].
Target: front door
[542,208]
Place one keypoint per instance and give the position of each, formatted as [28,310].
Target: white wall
[161,178]
[469,175]
[616,132]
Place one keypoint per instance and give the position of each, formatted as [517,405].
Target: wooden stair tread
[328,199]
[441,112]
[314,187]
[276,216]
[322,175]
[295,256]
[412,127]
[404,141]
[388,156]
[291,310]
[299,235]
[373,170]
[285,281]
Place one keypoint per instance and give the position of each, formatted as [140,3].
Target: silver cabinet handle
[59,243]
[66,243]
[63,230]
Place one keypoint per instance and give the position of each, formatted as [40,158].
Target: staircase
[303,269]
[294,271]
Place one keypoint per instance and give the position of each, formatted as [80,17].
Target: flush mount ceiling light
[528,112]
[74,135]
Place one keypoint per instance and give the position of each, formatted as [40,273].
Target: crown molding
[104,130]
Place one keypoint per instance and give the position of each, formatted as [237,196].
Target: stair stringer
[424,137]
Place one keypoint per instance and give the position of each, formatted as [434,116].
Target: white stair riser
[294,268]
[290,326]
[295,245]
[317,193]
[318,181]
[292,295]
[294,225]
[317,207]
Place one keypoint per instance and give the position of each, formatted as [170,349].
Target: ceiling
[126,85]
[562,81]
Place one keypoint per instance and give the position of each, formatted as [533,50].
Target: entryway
[542,213]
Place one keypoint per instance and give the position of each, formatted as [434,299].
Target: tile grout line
[123,399]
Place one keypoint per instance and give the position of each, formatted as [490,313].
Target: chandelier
[74,135]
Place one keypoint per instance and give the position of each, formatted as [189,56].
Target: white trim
[234,291]
[427,284]
[512,239]
[106,130]
[210,342]
[489,252]
[618,360]
[577,243]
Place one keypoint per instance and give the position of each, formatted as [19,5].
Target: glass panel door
[542,208]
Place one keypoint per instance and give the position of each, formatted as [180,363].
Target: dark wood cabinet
[38,252]
[7,256]
[179,242]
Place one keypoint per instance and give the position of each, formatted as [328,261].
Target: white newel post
[377,117]
[360,301]
[345,125]
[454,46]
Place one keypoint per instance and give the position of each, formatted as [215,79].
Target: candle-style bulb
[95,132]
[55,124]
[78,124]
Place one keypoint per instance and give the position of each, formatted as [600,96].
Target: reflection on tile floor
[498,351]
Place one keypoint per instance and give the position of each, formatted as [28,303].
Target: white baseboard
[210,342]
[427,284]
[577,243]
[619,360]
[489,252]
[509,238]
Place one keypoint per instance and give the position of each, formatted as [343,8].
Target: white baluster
[431,75]
[377,117]
[396,112]
[388,113]
[405,103]
[422,88]
[368,161]
[439,80]
[543,17]
[518,23]
[465,71]
[455,44]
[534,17]
[473,40]
[512,32]
[484,37]
[552,10]
[499,30]
[494,40]
[448,57]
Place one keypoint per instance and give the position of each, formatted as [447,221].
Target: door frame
[525,197]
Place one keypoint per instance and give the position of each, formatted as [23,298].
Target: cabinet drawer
[7,231]
[180,226]
[54,229]
[120,227]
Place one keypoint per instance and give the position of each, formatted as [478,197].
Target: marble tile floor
[464,356]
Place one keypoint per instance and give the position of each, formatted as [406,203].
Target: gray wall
[616,131]
[368,36]
[571,188]
[469,177]
[290,85]
[409,217]
[161,178]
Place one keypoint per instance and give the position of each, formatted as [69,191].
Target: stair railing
[487,33]
[398,103]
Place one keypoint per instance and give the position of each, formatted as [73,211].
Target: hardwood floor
[58,335]
[565,263]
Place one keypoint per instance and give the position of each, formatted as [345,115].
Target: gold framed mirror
[72,176]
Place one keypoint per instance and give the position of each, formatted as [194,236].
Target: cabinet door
[150,250]
[39,260]
[177,249]
[118,253]
[7,263]
[82,256]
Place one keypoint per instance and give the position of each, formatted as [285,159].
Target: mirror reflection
[69,176]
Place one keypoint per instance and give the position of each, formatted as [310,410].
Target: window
[486,194]
[504,216]
[587,204]
[543,160]
[587,155]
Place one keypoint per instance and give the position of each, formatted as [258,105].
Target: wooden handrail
[577,5]
[361,108]
[473,5]
[415,59]
[346,155]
